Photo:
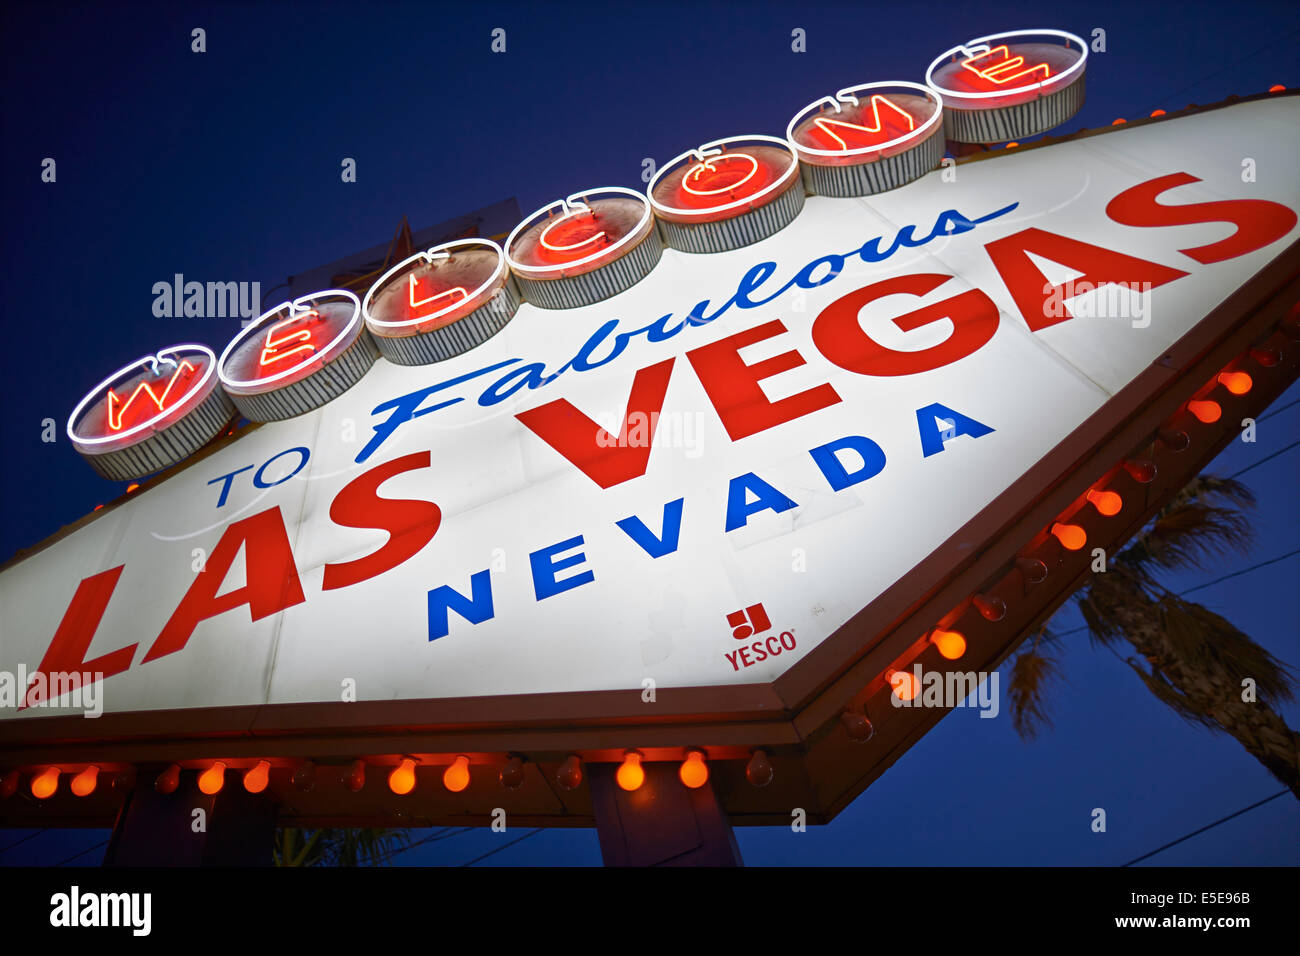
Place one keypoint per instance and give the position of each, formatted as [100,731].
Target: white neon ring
[142,362]
[845,96]
[576,245]
[698,153]
[439,251]
[963,48]
[710,164]
[256,326]
[569,204]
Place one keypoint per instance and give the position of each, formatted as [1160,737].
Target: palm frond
[1205,642]
[1112,600]
[1205,519]
[1032,673]
[1172,697]
[359,846]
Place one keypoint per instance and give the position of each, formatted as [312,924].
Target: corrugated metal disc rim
[867,179]
[573,292]
[454,339]
[726,234]
[319,388]
[1006,123]
[169,446]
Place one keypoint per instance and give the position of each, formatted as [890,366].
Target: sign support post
[661,823]
[189,828]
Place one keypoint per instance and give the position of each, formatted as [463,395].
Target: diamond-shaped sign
[753,502]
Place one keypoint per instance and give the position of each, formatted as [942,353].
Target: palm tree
[337,847]
[1191,658]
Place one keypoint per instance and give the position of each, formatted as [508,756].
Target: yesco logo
[752,620]
[75,909]
[734,387]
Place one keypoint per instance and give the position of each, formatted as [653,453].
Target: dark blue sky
[225,166]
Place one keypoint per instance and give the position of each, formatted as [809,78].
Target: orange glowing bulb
[951,644]
[1108,503]
[256,779]
[402,780]
[213,779]
[1206,412]
[45,783]
[1239,383]
[1276,88]
[905,684]
[694,771]
[83,784]
[1071,536]
[456,777]
[630,774]
[1157,112]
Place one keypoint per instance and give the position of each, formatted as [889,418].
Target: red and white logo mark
[752,620]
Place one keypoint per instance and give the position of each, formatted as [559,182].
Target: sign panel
[696,481]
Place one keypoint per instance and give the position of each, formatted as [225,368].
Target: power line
[433,838]
[1226,66]
[23,840]
[83,852]
[1234,574]
[1262,564]
[1282,451]
[503,846]
[1280,408]
[1210,826]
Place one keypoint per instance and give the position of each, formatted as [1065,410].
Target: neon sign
[444,294]
[729,184]
[1007,68]
[440,302]
[1003,67]
[118,408]
[273,350]
[879,117]
[868,138]
[1008,86]
[727,193]
[556,250]
[580,222]
[876,126]
[151,413]
[266,368]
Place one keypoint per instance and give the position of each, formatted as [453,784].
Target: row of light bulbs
[1203,407]
[693,773]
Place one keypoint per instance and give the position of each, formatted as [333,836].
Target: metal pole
[662,823]
[189,828]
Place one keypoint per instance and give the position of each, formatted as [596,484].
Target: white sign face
[812,416]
